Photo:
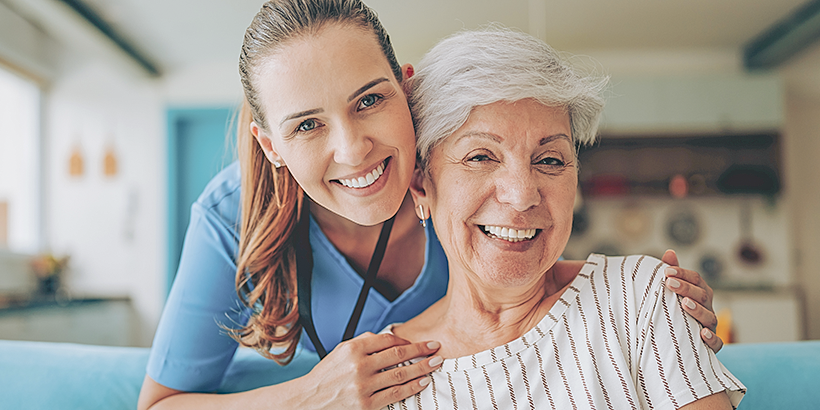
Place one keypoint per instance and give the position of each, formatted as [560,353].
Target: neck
[472,318]
[403,257]
[342,231]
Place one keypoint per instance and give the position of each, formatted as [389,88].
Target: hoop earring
[423,220]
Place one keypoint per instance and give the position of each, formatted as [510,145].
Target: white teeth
[509,234]
[365,181]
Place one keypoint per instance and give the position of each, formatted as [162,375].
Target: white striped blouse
[616,339]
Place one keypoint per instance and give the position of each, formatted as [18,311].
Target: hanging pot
[749,251]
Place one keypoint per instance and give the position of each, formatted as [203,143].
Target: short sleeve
[191,349]
[675,366]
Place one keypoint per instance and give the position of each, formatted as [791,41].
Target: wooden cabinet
[762,316]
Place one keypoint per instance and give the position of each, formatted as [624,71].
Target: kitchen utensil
[749,251]
[683,228]
[711,267]
[633,222]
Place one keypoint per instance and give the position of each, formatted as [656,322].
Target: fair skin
[329,126]
[511,166]
[335,113]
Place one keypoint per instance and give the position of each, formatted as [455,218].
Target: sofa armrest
[42,375]
[777,375]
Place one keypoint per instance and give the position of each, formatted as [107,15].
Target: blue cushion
[777,375]
[38,375]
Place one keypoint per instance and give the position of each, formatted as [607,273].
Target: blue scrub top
[191,349]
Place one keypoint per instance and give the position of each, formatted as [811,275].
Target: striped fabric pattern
[616,339]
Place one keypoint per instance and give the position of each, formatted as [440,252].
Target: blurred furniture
[99,321]
[68,376]
[15,274]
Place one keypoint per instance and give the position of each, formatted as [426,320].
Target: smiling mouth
[509,234]
[368,179]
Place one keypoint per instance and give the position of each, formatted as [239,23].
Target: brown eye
[478,158]
[551,161]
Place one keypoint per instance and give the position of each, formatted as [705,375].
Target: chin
[372,215]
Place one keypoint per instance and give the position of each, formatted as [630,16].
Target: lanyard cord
[304,272]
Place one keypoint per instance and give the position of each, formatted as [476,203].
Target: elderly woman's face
[501,190]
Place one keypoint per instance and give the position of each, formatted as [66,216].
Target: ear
[265,143]
[418,190]
[407,72]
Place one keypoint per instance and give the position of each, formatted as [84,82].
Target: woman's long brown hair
[271,198]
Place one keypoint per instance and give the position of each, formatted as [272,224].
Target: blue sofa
[55,376]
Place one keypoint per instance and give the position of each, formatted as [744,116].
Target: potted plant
[49,269]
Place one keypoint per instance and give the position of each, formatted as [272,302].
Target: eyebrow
[301,114]
[551,138]
[349,99]
[366,87]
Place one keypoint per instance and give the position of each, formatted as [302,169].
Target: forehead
[516,122]
[315,67]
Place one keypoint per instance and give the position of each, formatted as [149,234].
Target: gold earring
[423,220]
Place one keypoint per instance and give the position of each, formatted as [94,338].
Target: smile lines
[365,181]
[509,234]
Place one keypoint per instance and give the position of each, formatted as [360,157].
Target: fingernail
[435,361]
[670,271]
[433,345]
[673,283]
[707,333]
[424,382]
[688,302]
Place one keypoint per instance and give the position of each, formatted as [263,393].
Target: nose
[351,144]
[518,187]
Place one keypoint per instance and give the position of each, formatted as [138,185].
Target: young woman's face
[339,121]
[501,191]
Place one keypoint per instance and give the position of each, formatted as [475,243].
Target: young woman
[326,155]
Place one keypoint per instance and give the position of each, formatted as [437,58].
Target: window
[20,182]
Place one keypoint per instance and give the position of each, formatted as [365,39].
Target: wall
[112,226]
[19,164]
[802,151]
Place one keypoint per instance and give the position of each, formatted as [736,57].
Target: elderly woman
[499,115]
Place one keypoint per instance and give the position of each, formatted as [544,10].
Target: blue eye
[369,101]
[307,125]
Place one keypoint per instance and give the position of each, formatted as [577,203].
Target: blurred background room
[114,114]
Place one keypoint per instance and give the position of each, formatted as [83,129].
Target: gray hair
[475,68]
